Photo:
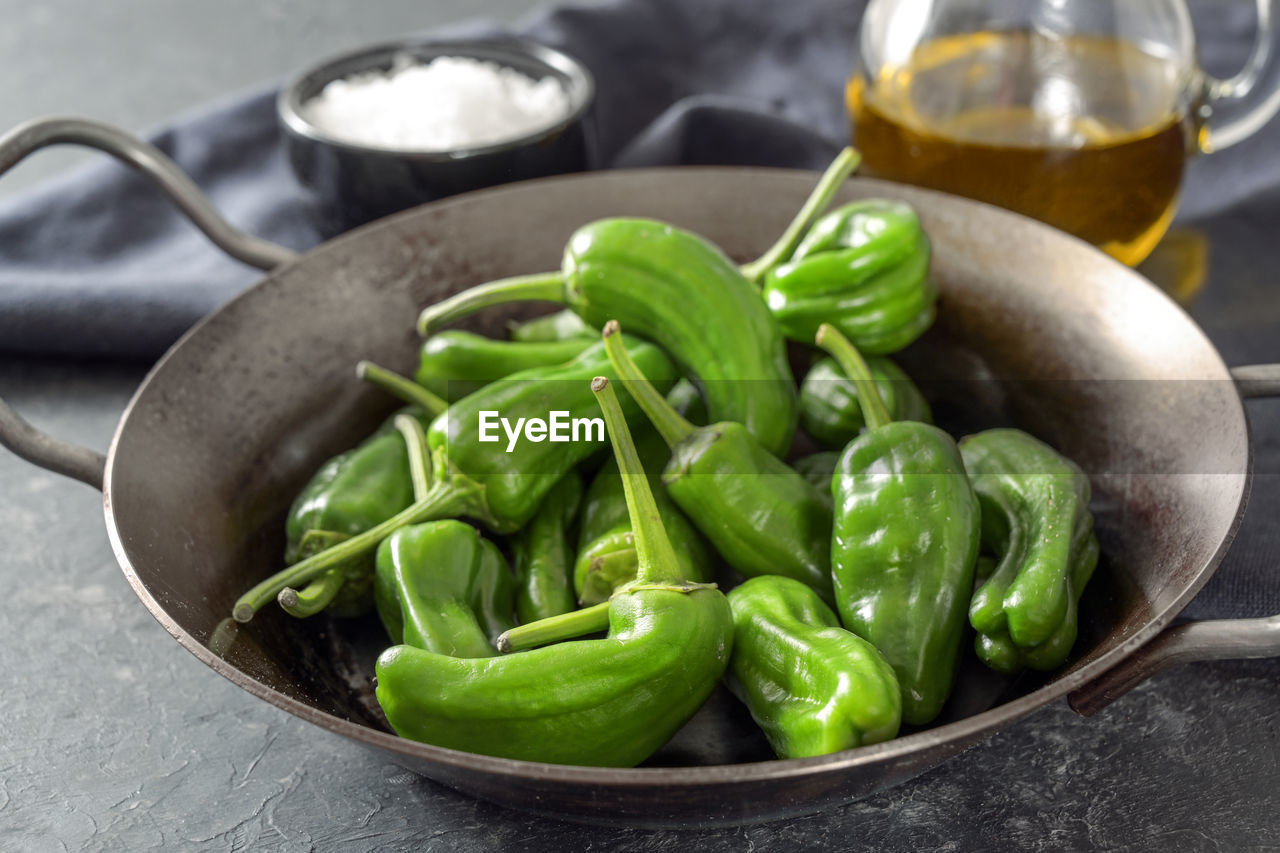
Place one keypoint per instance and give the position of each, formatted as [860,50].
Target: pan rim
[963,731]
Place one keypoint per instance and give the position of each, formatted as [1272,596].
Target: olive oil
[1089,134]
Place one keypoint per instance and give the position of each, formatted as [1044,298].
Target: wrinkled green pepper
[756,511]
[442,587]
[1036,520]
[678,290]
[544,556]
[606,556]
[454,364]
[829,410]
[905,542]
[603,702]
[863,268]
[812,687]
[477,479]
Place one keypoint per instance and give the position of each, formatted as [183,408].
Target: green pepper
[440,586]
[603,702]
[1036,519]
[757,512]
[544,557]
[475,478]
[349,494]
[829,410]
[368,484]
[353,491]
[558,326]
[515,483]
[813,687]
[863,268]
[679,291]
[905,542]
[454,364]
[606,549]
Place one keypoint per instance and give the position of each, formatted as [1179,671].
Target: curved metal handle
[89,466]
[61,457]
[31,136]
[1218,639]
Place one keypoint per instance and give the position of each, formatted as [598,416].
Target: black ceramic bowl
[355,183]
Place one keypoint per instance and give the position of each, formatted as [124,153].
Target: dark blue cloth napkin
[97,263]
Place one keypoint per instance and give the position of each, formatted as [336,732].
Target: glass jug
[1080,113]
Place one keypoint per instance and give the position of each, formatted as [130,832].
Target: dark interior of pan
[1034,329]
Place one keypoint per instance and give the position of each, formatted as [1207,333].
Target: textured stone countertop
[114,737]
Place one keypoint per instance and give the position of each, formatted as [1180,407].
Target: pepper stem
[670,424]
[444,500]
[545,287]
[655,558]
[840,169]
[312,598]
[850,360]
[554,629]
[415,442]
[398,386]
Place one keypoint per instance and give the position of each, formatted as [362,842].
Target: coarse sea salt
[450,103]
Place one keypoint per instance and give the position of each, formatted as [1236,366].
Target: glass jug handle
[1237,107]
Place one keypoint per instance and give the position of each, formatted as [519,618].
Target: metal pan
[1035,329]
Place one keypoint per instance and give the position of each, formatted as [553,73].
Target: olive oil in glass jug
[1079,113]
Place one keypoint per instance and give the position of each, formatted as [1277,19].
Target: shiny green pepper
[863,268]
[475,478]
[905,542]
[353,491]
[829,410]
[349,494]
[606,556]
[515,483]
[440,586]
[1036,519]
[603,702]
[757,512]
[812,687]
[454,364]
[681,292]
[544,557]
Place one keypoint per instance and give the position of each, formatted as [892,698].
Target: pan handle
[1219,639]
[88,466]
[54,454]
[31,136]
